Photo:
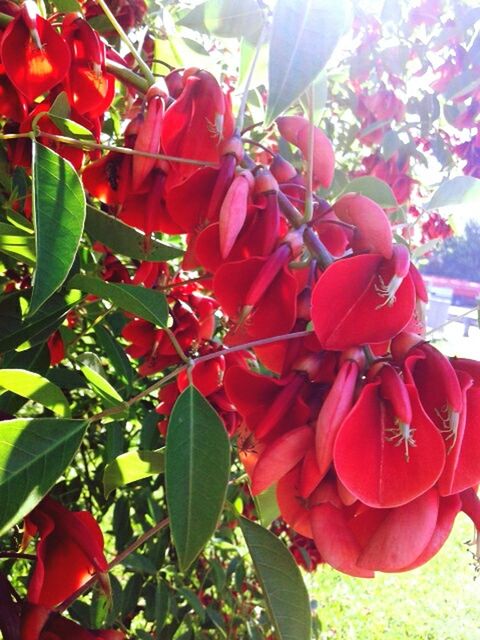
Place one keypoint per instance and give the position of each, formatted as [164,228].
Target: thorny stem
[208,356]
[149,77]
[243,104]
[117,560]
[87,144]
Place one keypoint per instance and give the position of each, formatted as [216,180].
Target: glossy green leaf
[32,330]
[35,387]
[283,588]
[132,466]
[92,369]
[233,19]
[304,35]
[267,506]
[18,243]
[71,128]
[34,452]
[145,303]
[197,466]
[116,354]
[457,191]
[127,241]
[373,188]
[68,5]
[58,203]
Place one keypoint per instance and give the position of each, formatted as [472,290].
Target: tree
[459,256]
[209,308]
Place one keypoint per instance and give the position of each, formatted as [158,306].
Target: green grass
[439,601]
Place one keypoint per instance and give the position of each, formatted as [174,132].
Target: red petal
[364,442]
[335,541]
[32,70]
[347,309]
[280,457]
[403,535]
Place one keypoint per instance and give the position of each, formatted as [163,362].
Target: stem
[17,555]
[177,346]
[243,104]
[149,77]
[316,247]
[209,356]
[87,144]
[117,560]
[126,75]
[311,133]
[258,144]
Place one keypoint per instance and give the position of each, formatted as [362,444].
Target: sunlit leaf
[33,454]
[148,304]
[123,239]
[58,203]
[459,190]
[35,387]
[373,188]
[132,466]
[304,35]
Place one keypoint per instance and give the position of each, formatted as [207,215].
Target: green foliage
[195,487]
[59,214]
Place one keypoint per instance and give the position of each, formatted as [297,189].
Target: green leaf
[320,95]
[60,106]
[197,466]
[282,584]
[127,241]
[145,303]
[373,188]
[304,35]
[64,6]
[34,330]
[459,190]
[92,369]
[71,128]
[34,452]
[58,203]
[35,387]
[267,506]
[18,243]
[118,358]
[233,19]
[132,466]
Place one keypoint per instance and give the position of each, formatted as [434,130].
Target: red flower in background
[69,553]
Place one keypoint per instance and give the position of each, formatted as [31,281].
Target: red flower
[34,55]
[70,540]
[388,433]
[363,299]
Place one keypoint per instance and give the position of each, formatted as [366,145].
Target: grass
[439,601]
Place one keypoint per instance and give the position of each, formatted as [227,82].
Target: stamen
[388,291]
[450,420]
[402,433]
